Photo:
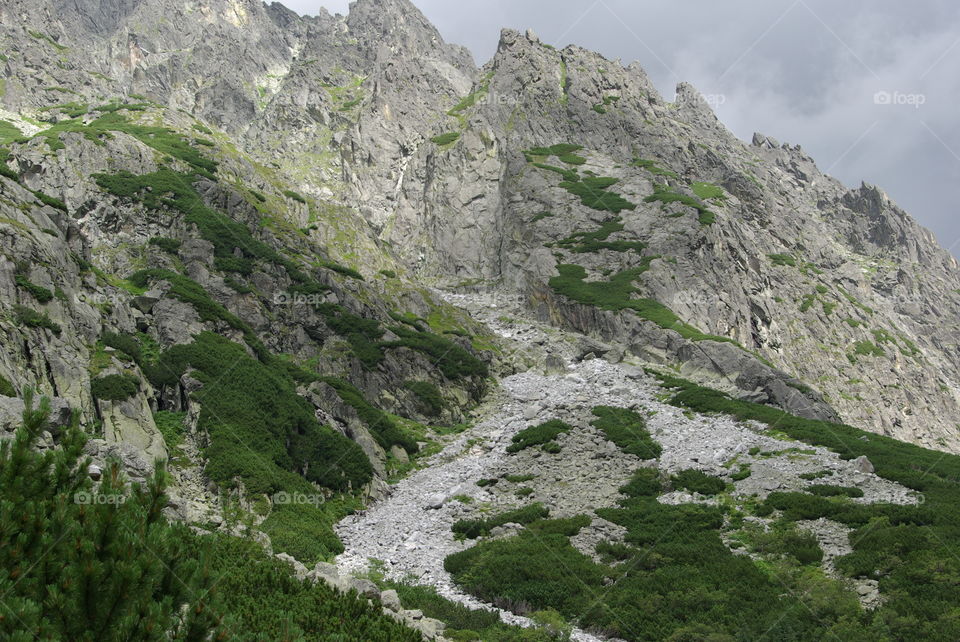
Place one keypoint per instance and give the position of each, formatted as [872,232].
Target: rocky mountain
[309,256]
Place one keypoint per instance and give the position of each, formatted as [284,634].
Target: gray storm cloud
[869,88]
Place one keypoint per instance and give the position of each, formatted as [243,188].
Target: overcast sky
[802,71]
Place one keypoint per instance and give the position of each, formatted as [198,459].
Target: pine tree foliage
[85,561]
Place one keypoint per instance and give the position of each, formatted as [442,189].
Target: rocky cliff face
[367,143]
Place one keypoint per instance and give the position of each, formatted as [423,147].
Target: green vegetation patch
[115,387]
[445,139]
[652,167]
[783,260]
[463,623]
[595,241]
[593,193]
[428,396]
[567,174]
[30,318]
[707,191]
[47,39]
[698,482]
[9,132]
[474,528]
[868,349]
[615,294]
[828,490]
[40,293]
[171,246]
[626,429]
[6,388]
[554,150]
[665,195]
[538,435]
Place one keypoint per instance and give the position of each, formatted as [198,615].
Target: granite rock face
[414,160]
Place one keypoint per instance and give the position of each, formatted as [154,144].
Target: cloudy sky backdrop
[869,88]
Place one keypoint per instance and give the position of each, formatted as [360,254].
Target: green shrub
[428,397]
[581,242]
[567,174]
[554,150]
[267,602]
[474,528]
[169,190]
[663,195]
[171,426]
[651,167]
[32,319]
[462,622]
[538,435]
[6,388]
[445,139]
[55,203]
[289,193]
[743,473]
[593,194]
[626,429]
[362,334]
[541,216]
[827,490]
[167,245]
[303,531]
[783,259]
[236,264]
[115,387]
[487,481]
[162,139]
[698,482]
[527,573]
[786,539]
[551,448]
[869,349]
[340,269]
[390,274]
[125,343]
[568,526]
[572,159]
[707,191]
[644,483]
[41,294]
[151,580]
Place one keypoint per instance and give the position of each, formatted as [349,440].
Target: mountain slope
[246,242]
[837,287]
